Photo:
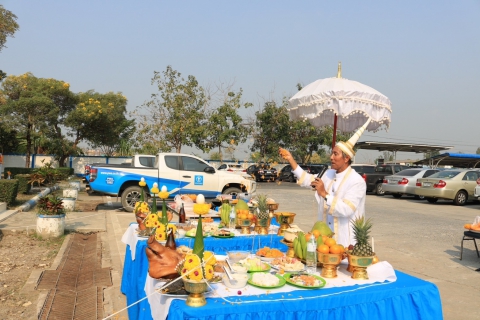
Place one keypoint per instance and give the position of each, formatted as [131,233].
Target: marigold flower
[208,272]
[209,258]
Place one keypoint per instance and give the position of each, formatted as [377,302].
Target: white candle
[373,245]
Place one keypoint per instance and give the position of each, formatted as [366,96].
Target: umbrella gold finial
[339,72]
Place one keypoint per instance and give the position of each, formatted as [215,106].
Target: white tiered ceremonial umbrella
[343,103]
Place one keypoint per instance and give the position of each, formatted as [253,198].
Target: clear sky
[423,55]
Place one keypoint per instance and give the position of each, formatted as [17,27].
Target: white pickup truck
[180,173]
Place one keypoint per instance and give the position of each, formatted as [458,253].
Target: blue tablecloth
[406,298]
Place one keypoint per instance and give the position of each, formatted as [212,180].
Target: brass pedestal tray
[195,290]
[359,265]
[262,226]
[271,209]
[284,219]
[330,263]
[244,225]
[290,252]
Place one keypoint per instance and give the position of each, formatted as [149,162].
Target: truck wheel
[460,198]
[130,196]
[397,195]
[379,190]
[432,200]
[232,191]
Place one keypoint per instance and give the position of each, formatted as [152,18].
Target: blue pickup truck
[180,173]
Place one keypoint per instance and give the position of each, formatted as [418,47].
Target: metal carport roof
[460,160]
[402,147]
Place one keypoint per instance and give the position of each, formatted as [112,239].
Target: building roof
[460,160]
[400,147]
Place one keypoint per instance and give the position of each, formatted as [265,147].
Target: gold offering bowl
[359,265]
[330,263]
[271,209]
[290,252]
[284,219]
[244,225]
[195,289]
[262,226]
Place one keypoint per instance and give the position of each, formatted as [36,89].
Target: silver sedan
[403,182]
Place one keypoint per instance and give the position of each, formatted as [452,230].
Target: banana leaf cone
[198,246]
[142,196]
[164,218]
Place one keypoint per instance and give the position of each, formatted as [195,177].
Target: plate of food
[288,264]
[305,280]
[255,265]
[191,233]
[267,254]
[266,280]
[222,233]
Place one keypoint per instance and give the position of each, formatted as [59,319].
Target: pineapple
[361,231]
[262,206]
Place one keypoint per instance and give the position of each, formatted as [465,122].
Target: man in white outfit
[340,192]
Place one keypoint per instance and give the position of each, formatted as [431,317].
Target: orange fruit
[250,216]
[316,233]
[308,236]
[336,248]
[324,238]
[330,242]
[241,215]
[323,249]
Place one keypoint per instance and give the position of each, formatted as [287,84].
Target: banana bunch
[300,245]
[225,213]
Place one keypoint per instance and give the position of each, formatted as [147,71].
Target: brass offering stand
[284,219]
[330,263]
[195,290]
[271,209]
[290,252]
[262,226]
[244,225]
[360,265]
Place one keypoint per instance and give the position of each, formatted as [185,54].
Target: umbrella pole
[334,140]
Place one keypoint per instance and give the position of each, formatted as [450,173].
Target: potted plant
[50,216]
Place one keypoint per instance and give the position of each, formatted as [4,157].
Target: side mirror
[209,170]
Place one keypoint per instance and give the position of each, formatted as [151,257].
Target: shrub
[23,185]
[64,172]
[8,190]
[15,171]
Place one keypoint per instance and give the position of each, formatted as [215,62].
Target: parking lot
[416,237]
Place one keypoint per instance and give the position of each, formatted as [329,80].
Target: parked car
[262,172]
[230,167]
[452,184]
[404,182]
[374,180]
[363,169]
[286,173]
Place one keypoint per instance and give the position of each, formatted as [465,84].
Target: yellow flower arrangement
[142,206]
[192,269]
[201,208]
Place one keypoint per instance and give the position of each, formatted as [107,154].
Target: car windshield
[407,173]
[448,174]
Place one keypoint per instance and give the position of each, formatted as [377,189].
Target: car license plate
[427,184]
[392,181]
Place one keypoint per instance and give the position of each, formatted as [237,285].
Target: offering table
[406,298]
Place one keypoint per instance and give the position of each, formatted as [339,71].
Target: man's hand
[285,154]
[318,185]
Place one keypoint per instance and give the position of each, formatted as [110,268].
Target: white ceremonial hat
[347,147]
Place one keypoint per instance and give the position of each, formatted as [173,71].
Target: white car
[403,182]
[234,168]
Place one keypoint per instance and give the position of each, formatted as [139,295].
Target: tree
[35,107]
[478,151]
[305,139]
[175,116]
[8,25]
[225,128]
[215,156]
[271,129]
[100,120]
[8,140]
